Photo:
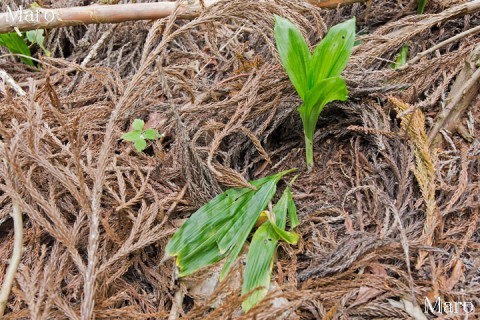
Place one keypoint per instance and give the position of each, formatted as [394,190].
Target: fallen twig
[461,95]
[7,79]
[440,45]
[16,256]
[94,14]
[17,220]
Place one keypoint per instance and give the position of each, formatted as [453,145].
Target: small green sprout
[220,228]
[421,6]
[316,77]
[139,136]
[401,58]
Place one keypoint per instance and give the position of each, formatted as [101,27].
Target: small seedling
[139,136]
[221,227]
[316,77]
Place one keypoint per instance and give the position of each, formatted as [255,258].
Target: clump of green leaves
[316,77]
[139,135]
[221,227]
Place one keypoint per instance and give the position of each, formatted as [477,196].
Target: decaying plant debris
[97,214]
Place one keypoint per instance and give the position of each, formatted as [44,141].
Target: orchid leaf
[259,262]
[294,53]
[220,228]
[309,73]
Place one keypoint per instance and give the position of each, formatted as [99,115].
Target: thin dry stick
[94,14]
[461,95]
[17,220]
[7,79]
[177,305]
[16,256]
[440,45]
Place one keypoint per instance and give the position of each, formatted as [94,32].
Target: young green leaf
[292,210]
[421,6]
[140,144]
[332,53]
[16,45]
[132,136]
[150,134]
[261,254]
[294,53]
[138,124]
[326,91]
[401,58]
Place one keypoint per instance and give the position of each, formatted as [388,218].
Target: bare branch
[94,14]
[16,256]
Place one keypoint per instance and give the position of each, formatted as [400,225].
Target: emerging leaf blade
[294,53]
[292,210]
[332,53]
[421,6]
[401,58]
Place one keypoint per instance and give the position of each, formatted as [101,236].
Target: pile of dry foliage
[388,217]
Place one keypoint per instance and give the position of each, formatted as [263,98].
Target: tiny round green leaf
[138,124]
[140,144]
[150,134]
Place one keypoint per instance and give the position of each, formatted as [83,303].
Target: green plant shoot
[421,6]
[139,135]
[401,58]
[221,227]
[316,77]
